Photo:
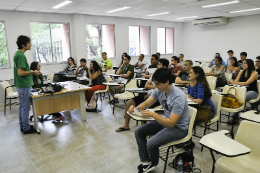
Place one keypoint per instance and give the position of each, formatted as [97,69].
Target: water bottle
[49,81]
[180,166]
[85,73]
[44,81]
[228,71]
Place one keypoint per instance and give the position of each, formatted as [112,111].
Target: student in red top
[175,68]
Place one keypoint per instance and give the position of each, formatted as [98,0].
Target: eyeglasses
[164,104]
[257,61]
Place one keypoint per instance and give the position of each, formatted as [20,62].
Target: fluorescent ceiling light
[62,4]
[253,9]
[187,17]
[119,9]
[158,14]
[224,3]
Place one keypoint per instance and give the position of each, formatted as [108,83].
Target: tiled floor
[76,147]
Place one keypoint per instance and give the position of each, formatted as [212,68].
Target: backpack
[92,106]
[186,158]
[51,88]
[231,101]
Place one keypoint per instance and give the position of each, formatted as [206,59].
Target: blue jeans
[24,95]
[250,95]
[149,149]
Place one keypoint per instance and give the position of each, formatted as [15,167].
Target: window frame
[53,63]
[102,39]
[149,38]
[9,62]
[165,40]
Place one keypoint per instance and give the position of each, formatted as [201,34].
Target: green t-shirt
[20,61]
[105,63]
[125,69]
[35,85]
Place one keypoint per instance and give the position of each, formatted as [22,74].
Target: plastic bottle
[49,81]
[180,166]
[44,81]
[85,73]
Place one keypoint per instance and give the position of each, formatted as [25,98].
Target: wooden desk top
[69,87]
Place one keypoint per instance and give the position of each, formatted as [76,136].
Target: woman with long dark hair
[95,74]
[233,68]
[247,77]
[71,67]
[122,60]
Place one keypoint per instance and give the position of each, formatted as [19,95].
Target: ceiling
[139,8]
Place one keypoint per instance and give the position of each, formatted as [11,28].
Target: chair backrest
[108,78]
[9,91]
[248,135]
[205,64]
[206,70]
[258,87]
[131,84]
[228,76]
[110,72]
[241,93]
[192,112]
[216,99]
[50,76]
[212,82]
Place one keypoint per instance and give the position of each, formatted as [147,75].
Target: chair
[108,78]
[50,76]
[9,94]
[247,135]
[206,70]
[212,82]
[255,101]
[110,72]
[192,115]
[228,76]
[241,96]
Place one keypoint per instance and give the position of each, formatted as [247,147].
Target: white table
[250,116]
[224,145]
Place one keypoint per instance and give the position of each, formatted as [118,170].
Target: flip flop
[122,129]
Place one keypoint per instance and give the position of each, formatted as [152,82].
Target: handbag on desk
[230,100]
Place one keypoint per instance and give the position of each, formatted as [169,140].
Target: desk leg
[214,161]
[35,116]
[82,107]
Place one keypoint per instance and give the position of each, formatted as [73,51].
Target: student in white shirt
[141,63]
[230,54]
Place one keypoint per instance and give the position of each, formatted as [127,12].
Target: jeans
[149,149]
[24,95]
[250,95]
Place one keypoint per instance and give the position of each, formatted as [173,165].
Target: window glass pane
[134,40]
[41,42]
[145,40]
[161,40]
[93,39]
[108,40]
[60,42]
[169,40]
[4,61]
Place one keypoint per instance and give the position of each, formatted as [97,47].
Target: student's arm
[77,71]
[126,75]
[21,72]
[200,94]
[179,81]
[253,77]
[148,85]
[95,75]
[136,64]
[141,65]
[211,74]
[119,71]
[210,64]
[147,76]
[109,65]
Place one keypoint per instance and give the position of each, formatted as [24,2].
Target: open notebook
[138,113]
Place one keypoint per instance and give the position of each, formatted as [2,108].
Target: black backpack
[51,88]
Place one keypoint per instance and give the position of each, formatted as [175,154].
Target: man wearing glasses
[257,65]
[173,126]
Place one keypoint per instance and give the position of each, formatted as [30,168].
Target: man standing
[106,64]
[23,81]
[213,61]
[141,62]
[230,54]
[183,77]
[243,56]
[83,67]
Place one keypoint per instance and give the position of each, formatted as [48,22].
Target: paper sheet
[136,112]
[189,100]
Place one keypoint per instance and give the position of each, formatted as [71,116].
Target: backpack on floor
[92,106]
[186,158]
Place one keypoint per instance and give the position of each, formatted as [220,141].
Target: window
[4,60]
[50,42]
[100,38]
[139,40]
[165,41]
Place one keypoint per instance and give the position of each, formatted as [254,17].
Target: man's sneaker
[31,130]
[140,167]
[31,126]
[55,118]
[62,118]
[147,168]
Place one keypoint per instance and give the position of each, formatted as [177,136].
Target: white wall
[241,34]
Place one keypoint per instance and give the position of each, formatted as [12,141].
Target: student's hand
[145,69]
[36,73]
[122,75]
[147,114]
[230,81]
[178,72]
[131,109]
[187,85]
[207,74]
[122,65]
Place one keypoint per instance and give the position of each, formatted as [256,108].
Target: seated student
[38,82]
[95,74]
[233,68]
[71,67]
[212,62]
[247,77]
[243,56]
[163,63]
[141,62]
[106,64]
[218,70]
[257,65]
[126,71]
[154,63]
[181,60]
[83,67]
[183,77]
[123,56]
[176,69]
[172,127]
[158,54]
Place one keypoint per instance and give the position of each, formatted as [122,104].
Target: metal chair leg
[166,159]
[5,107]
[10,104]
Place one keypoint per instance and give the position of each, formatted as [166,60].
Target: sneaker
[31,126]
[140,167]
[62,118]
[55,118]
[31,130]
[147,168]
